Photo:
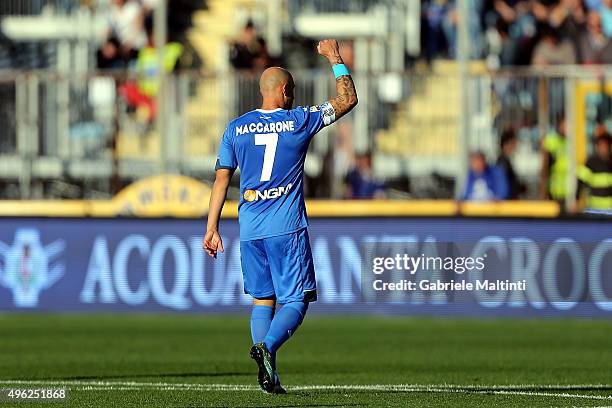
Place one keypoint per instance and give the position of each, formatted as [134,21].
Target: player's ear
[288,88]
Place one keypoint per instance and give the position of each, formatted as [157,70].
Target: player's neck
[269,105]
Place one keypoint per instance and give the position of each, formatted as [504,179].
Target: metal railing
[34,7]
[338,6]
[82,136]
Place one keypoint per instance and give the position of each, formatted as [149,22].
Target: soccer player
[269,146]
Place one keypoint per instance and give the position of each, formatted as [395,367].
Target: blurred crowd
[503,32]
[523,32]
[129,43]
[564,32]
[249,51]
[126,33]
[129,30]
[498,181]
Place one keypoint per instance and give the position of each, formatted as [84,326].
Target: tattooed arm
[346,95]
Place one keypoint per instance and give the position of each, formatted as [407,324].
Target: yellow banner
[185,197]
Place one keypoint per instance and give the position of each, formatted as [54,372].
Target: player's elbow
[353,101]
[223,177]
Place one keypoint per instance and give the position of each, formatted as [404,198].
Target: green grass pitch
[201,360]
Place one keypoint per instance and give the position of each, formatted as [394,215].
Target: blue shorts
[280,267]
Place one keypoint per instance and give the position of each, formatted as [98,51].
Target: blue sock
[284,324]
[261,318]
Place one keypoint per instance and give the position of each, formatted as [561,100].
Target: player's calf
[285,323]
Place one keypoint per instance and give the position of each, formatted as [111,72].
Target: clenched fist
[329,49]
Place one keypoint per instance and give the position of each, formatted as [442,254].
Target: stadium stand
[72,123]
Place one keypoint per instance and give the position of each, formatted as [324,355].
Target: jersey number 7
[270,140]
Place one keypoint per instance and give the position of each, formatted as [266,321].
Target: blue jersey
[270,147]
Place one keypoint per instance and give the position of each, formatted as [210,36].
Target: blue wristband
[339,70]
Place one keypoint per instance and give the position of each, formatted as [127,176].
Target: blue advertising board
[80,264]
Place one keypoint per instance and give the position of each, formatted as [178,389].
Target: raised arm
[346,95]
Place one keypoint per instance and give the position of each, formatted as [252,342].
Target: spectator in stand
[449,25]
[553,175]
[263,59]
[508,144]
[126,35]
[516,27]
[141,95]
[568,16]
[510,10]
[553,50]
[360,180]
[434,14]
[108,56]
[484,182]
[595,176]
[250,51]
[593,45]
[523,32]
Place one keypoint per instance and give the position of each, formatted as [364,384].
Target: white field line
[367,387]
[507,389]
[526,393]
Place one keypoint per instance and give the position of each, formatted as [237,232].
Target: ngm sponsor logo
[250,195]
